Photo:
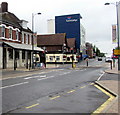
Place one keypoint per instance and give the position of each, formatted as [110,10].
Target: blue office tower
[69,24]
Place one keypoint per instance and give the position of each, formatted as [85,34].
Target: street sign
[116,52]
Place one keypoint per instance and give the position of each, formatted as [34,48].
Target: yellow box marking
[54,97]
[71,91]
[103,106]
[32,106]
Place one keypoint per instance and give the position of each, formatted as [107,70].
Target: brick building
[89,49]
[16,41]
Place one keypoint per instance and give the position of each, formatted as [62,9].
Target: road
[57,91]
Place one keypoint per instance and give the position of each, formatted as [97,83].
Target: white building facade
[83,39]
[51,26]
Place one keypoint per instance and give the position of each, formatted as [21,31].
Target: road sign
[116,52]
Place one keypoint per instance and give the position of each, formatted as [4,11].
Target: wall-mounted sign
[69,19]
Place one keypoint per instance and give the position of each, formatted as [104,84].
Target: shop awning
[22,46]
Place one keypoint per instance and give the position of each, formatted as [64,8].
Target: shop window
[23,55]
[10,52]
[16,54]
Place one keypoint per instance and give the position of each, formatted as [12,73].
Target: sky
[97,18]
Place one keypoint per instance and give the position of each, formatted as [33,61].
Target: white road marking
[100,76]
[29,75]
[35,77]
[43,76]
[83,69]
[46,78]
[13,85]
[65,73]
[28,78]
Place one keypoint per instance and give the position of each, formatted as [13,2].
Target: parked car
[99,58]
[108,59]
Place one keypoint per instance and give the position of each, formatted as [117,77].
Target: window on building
[57,58]
[17,35]
[3,31]
[10,33]
[68,58]
[26,39]
[10,52]
[22,38]
[51,58]
[30,37]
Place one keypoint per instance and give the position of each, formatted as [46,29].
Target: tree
[97,52]
[94,49]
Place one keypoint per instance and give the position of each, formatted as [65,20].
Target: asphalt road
[56,91]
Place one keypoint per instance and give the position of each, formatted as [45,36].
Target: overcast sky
[97,18]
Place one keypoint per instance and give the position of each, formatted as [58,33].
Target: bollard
[87,61]
[111,64]
[74,65]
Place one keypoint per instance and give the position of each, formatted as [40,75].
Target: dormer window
[24,24]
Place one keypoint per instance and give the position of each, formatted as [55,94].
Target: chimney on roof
[4,7]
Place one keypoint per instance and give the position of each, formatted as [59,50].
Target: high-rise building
[69,24]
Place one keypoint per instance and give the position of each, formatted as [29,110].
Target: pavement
[110,85]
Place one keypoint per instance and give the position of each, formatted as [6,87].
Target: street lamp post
[117,4]
[33,38]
